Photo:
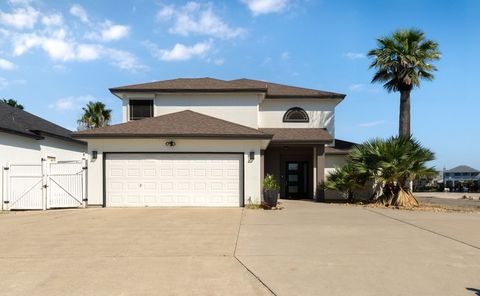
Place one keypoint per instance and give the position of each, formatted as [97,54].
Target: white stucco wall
[321,113]
[252,179]
[16,149]
[238,108]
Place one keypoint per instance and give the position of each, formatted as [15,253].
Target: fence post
[4,188]
[44,184]
[84,182]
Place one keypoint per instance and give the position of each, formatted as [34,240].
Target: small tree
[393,163]
[94,115]
[346,180]
[13,103]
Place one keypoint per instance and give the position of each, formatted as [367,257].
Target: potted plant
[270,190]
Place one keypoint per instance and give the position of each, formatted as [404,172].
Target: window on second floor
[295,114]
[140,109]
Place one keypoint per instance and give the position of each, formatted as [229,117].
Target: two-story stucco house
[209,142]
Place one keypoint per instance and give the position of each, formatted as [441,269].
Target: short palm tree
[13,103]
[347,180]
[401,61]
[394,163]
[95,115]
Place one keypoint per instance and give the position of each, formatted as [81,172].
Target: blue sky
[57,55]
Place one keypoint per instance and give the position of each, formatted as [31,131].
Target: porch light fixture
[170,143]
[94,154]
[251,156]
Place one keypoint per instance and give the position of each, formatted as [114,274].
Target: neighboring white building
[27,139]
[209,142]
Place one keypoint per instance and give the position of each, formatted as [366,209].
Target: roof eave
[326,96]
[301,142]
[132,90]
[182,136]
[23,134]
[65,138]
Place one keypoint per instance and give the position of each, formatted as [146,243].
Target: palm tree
[13,103]
[95,115]
[401,61]
[393,163]
[347,180]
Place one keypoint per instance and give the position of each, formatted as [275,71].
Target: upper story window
[295,114]
[140,109]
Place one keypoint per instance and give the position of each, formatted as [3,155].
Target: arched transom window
[295,114]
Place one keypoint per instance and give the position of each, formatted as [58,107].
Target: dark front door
[296,179]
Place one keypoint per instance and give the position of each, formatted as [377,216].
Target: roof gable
[179,124]
[462,169]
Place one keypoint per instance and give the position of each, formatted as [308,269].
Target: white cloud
[180,52]
[3,83]
[59,48]
[88,52]
[354,55]
[78,11]
[372,123]
[357,87]
[219,61]
[20,18]
[109,32]
[19,2]
[59,42]
[70,103]
[258,7]
[115,32]
[6,65]
[285,55]
[52,20]
[196,18]
[124,60]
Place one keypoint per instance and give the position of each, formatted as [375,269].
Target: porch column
[262,171]
[319,172]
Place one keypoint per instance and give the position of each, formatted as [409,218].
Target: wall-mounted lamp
[170,143]
[94,154]
[251,156]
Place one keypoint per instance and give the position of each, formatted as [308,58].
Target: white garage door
[164,179]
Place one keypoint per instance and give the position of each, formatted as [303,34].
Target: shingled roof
[298,135]
[341,147]
[462,169]
[185,124]
[271,90]
[16,121]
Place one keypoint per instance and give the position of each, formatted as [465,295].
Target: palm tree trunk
[404,120]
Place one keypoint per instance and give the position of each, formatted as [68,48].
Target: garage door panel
[173,179]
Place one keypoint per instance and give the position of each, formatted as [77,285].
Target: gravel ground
[460,203]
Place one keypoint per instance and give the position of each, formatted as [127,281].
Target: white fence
[44,186]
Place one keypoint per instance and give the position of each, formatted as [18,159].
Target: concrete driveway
[306,249]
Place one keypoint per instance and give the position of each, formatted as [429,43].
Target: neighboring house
[210,142]
[461,177]
[27,139]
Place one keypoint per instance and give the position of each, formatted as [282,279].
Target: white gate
[44,186]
